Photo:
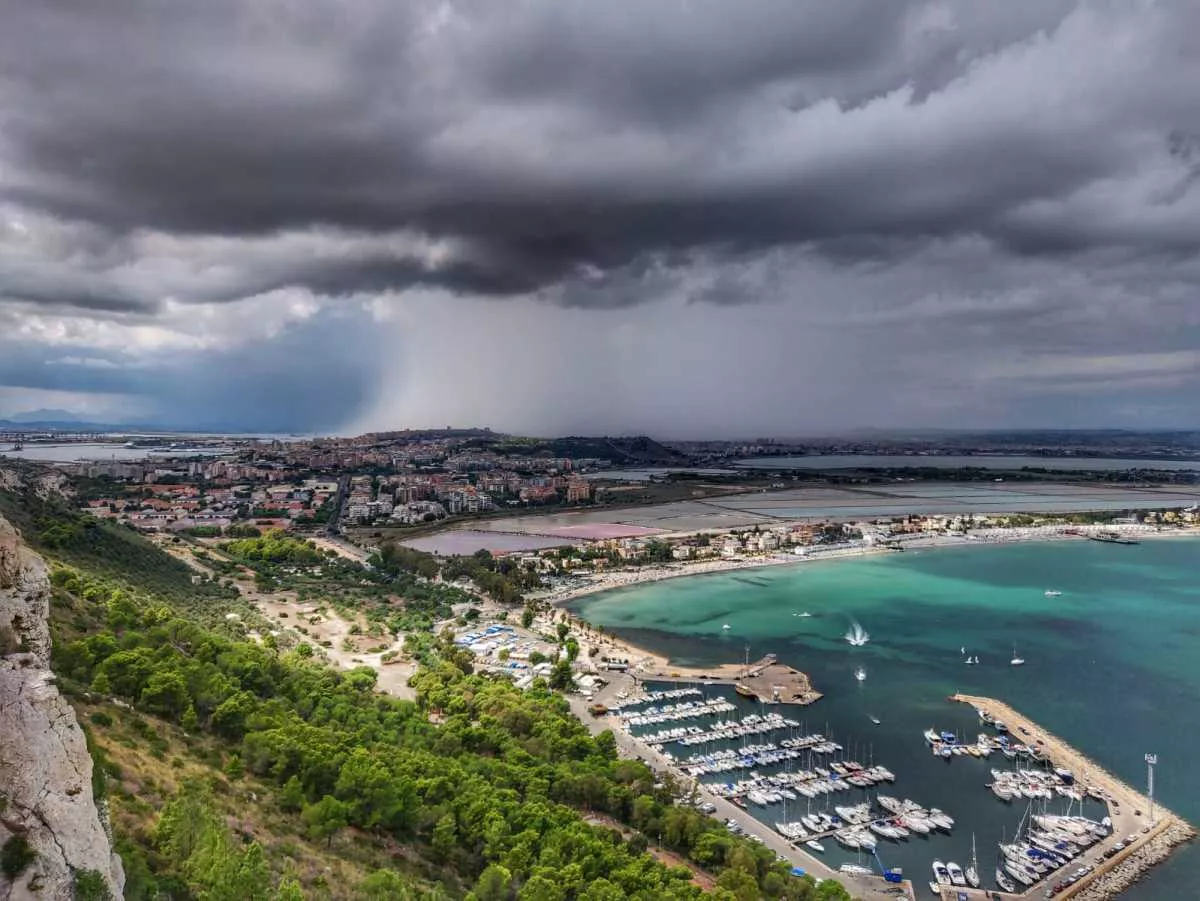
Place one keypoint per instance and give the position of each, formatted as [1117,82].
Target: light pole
[1151,760]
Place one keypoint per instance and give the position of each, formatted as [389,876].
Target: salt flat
[824,502]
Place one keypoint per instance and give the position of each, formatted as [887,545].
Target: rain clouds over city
[686,218]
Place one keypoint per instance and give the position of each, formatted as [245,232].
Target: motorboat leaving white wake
[856,635]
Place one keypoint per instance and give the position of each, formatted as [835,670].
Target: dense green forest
[274,547]
[281,778]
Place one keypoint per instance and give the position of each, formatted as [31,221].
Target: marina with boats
[828,798]
[999,777]
[1068,854]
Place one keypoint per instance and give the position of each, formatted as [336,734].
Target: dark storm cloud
[698,209]
[547,136]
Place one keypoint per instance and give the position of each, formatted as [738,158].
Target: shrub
[90,886]
[15,856]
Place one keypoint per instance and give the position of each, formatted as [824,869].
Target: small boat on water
[856,635]
[860,674]
[853,869]
[876,720]
[1111,538]
[940,873]
[815,845]
[1016,661]
[804,615]
[956,874]
[1002,879]
[1053,594]
[971,661]
[745,691]
[726,627]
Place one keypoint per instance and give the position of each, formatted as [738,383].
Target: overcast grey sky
[686,217]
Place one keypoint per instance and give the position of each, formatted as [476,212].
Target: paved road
[334,527]
[629,747]
[341,547]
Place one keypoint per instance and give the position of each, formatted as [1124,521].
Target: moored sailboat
[972,872]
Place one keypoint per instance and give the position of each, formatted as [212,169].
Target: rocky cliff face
[47,810]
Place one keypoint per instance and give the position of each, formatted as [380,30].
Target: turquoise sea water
[1113,666]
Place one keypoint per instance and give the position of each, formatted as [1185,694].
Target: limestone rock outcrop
[46,801]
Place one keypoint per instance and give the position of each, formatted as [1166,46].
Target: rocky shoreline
[1130,869]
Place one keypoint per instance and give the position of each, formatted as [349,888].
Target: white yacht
[1016,661]
[847,837]
[815,845]
[940,873]
[956,874]
[726,627]
[853,869]
[1002,879]
[1053,594]
[860,674]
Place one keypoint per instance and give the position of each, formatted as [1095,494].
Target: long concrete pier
[1156,833]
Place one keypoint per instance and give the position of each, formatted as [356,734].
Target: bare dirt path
[322,627]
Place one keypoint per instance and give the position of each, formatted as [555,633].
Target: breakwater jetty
[1142,834]
[766,680]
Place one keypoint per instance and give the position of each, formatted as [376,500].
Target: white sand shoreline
[644,662]
[626,578]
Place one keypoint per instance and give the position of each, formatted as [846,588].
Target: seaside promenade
[1149,833]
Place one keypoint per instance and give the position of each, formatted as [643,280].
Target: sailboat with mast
[740,687]
[972,873]
[1016,661]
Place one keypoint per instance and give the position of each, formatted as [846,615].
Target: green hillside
[238,768]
